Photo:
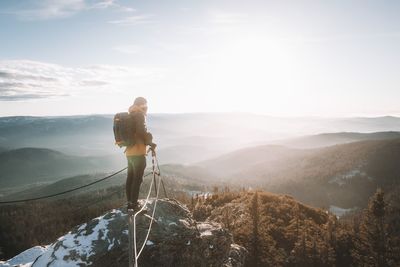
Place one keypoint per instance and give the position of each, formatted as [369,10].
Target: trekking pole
[165,191]
[159,174]
[162,181]
[153,155]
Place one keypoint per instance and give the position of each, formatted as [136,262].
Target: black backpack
[124,129]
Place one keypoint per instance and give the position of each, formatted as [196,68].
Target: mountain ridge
[92,134]
[43,164]
[176,239]
[344,175]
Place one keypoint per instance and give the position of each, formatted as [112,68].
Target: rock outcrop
[176,239]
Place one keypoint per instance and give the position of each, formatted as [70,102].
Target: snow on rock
[76,247]
[206,228]
[175,240]
[26,258]
[149,243]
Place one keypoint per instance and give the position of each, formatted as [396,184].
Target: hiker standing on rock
[136,154]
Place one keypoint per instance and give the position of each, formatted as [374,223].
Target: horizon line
[210,113]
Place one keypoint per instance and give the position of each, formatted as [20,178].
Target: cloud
[51,9]
[26,80]
[48,9]
[134,20]
[19,76]
[15,91]
[22,97]
[111,4]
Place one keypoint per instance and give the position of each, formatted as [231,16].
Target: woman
[136,154]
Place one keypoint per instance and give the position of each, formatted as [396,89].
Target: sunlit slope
[330,139]
[344,175]
[270,226]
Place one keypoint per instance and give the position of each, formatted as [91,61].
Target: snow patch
[79,243]
[25,258]
[205,229]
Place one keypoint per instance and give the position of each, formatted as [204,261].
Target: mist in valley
[281,155]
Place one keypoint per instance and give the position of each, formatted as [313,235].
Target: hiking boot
[135,207]
[132,206]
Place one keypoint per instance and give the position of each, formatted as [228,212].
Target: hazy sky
[285,58]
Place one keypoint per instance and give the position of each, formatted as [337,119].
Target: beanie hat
[140,101]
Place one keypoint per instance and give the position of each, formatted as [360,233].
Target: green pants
[136,166]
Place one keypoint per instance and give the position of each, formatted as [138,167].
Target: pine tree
[254,240]
[314,252]
[344,245]
[299,254]
[371,248]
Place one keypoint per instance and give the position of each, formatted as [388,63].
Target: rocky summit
[176,239]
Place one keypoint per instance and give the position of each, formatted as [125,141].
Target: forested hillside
[277,230]
[343,175]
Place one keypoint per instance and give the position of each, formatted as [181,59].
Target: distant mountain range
[27,166]
[297,156]
[330,139]
[33,172]
[326,171]
[79,135]
[184,138]
[343,175]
